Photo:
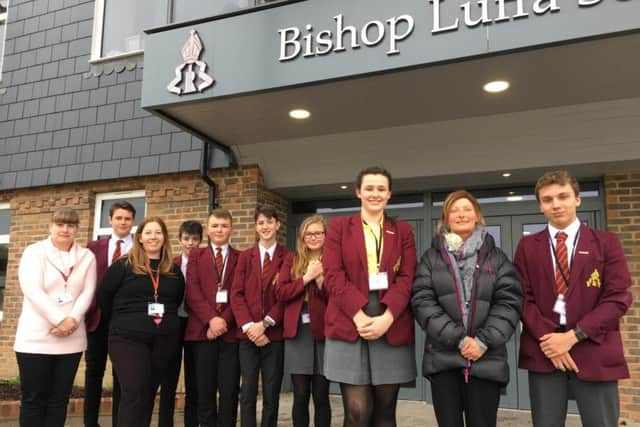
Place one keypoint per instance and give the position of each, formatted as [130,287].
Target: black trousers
[217,367]
[139,363]
[598,401]
[478,400]
[169,385]
[95,359]
[46,381]
[268,360]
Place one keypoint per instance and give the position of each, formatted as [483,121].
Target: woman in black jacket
[467,298]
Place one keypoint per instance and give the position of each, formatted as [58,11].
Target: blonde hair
[302,257]
[137,256]
[450,200]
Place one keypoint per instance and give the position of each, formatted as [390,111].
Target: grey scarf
[466,258]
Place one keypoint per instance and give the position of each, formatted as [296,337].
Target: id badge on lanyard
[378,281]
[222,296]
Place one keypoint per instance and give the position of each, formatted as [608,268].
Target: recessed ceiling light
[512,193]
[343,187]
[496,86]
[299,114]
[506,174]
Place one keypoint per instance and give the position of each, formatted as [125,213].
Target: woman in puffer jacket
[467,298]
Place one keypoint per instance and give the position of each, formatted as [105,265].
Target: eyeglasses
[314,234]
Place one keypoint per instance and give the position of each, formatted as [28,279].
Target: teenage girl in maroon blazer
[369,262]
[301,289]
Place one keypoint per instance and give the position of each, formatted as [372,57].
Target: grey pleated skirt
[303,354]
[369,362]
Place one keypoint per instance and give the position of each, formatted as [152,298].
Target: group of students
[341,308]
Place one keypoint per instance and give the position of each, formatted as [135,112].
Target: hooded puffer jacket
[494,306]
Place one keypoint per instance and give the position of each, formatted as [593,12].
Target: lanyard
[155,280]
[65,277]
[378,241]
[570,261]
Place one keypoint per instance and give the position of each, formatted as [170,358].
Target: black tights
[369,405]
[303,387]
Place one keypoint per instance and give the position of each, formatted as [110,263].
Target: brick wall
[175,198]
[623,218]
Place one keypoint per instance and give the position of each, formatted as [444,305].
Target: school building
[178,105]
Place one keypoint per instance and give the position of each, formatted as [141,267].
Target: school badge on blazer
[594,280]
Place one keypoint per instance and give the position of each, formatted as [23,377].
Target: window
[4,4]
[118,25]
[5,222]
[101,227]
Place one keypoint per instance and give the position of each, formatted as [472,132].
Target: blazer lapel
[585,249]
[230,264]
[256,265]
[389,237]
[357,232]
[544,252]
[209,263]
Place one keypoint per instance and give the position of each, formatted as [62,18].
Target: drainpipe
[208,143]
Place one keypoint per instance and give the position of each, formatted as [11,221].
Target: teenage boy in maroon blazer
[211,328]
[259,318]
[576,286]
[189,236]
[121,218]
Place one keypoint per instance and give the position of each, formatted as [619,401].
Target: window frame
[102,197]
[4,238]
[3,38]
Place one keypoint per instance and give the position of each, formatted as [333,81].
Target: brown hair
[454,197]
[124,205]
[221,213]
[266,210]
[137,257]
[65,215]
[557,177]
[302,258]
[373,170]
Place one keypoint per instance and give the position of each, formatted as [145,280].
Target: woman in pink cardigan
[58,279]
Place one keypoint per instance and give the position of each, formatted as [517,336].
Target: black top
[124,297]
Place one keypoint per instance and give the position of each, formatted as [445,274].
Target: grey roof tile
[80,100]
[73,83]
[28,142]
[88,116]
[103,151]
[25,92]
[28,59]
[63,102]
[115,94]
[95,134]
[57,174]
[151,126]
[15,110]
[61,138]
[7,128]
[24,179]
[80,47]
[85,28]
[190,160]
[82,11]
[69,32]
[160,144]
[121,149]
[44,141]
[66,66]
[53,36]
[113,131]
[73,173]
[134,90]
[149,165]
[106,113]
[98,97]
[180,142]
[126,76]
[62,17]
[56,86]
[82,64]
[59,51]
[108,79]
[54,121]
[18,162]
[133,128]
[70,119]
[8,181]
[46,21]
[124,111]
[37,40]
[40,89]
[50,70]
[91,82]
[21,127]
[31,25]
[24,11]
[21,44]
[68,156]
[86,153]
[110,169]
[31,108]
[34,160]
[78,136]
[92,171]
[40,177]
[141,147]
[169,163]
[50,158]
[167,127]
[129,167]
[36,124]
[34,73]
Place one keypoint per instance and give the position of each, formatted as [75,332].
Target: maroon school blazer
[291,293]
[201,290]
[347,277]
[598,297]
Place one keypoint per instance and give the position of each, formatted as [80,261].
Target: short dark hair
[190,227]
[373,170]
[266,210]
[122,205]
[222,214]
[557,177]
